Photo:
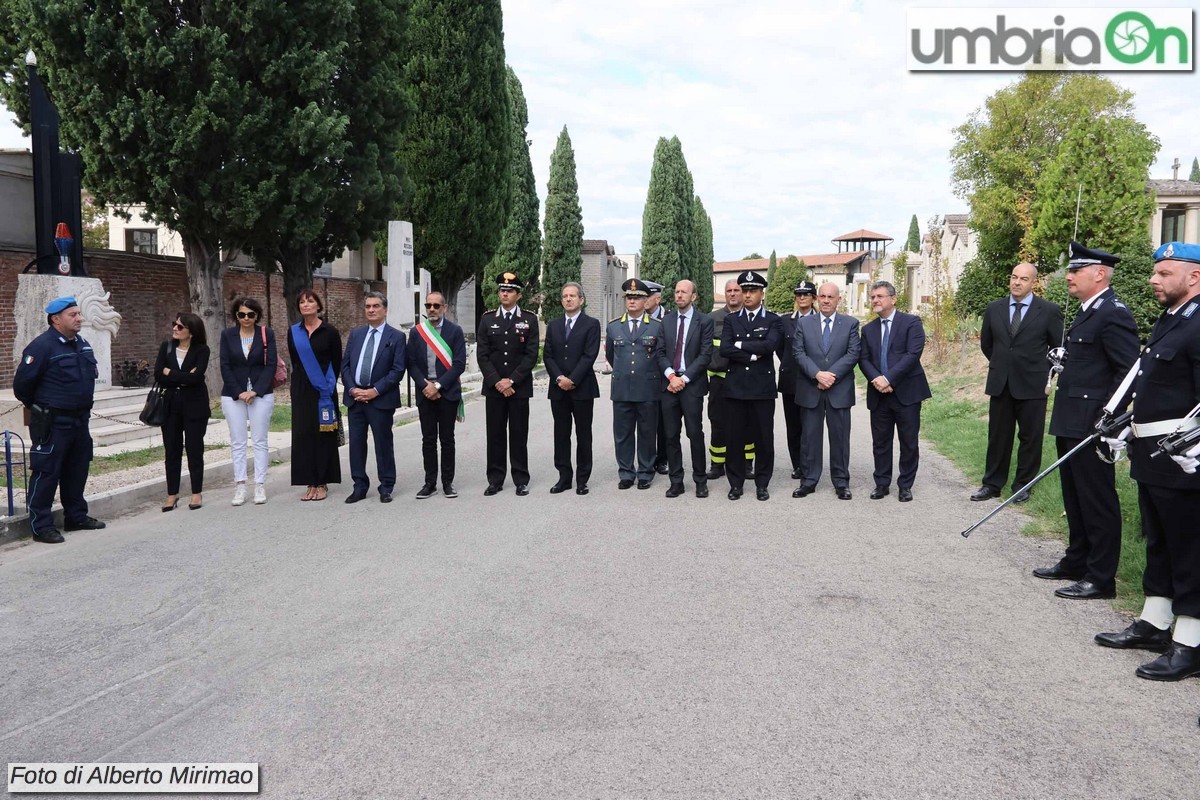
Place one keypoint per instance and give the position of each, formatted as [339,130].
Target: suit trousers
[180,434]
[681,412]
[1007,415]
[363,416]
[792,422]
[812,441]
[61,463]
[1093,514]
[891,419]
[574,410]
[1172,546]
[751,435]
[635,426]
[438,418]
[507,439]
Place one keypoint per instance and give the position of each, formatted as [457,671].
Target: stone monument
[101,322]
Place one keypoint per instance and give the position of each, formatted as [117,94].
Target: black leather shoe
[427,491]
[674,490]
[644,484]
[716,472]
[48,536]
[354,497]
[385,497]
[625,484]
[804,491]
[661,468]
[1179,662]
[702,489]
[560,487]
[734,494]
[843,493]
[1140,635]
[762,494]
[449,491]
[1022,497]
[88,524]
[1085,590]
[1057,573]
[880,492]
[492,489]
[581,489]
[985,493]
[905,495]
[522,490]
[797,474]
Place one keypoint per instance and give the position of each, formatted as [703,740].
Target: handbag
[154,412]
[281,372]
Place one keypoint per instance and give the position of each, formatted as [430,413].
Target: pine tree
[1195,176]
[563,253]
[520,250]
[668,221]
[704,257]
[913,245]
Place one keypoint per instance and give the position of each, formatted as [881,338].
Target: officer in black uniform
[805,295]
[633,348]
[1166,389]
[749,342]
[56,381]
[656,312]
[1101,346]
[507,349]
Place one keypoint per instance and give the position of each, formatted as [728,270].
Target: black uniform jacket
[507,349]
[748,379]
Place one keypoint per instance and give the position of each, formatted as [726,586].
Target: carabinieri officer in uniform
[56,381]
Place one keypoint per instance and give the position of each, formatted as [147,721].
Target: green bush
[980,284]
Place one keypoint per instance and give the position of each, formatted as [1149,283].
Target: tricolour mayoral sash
[441,350]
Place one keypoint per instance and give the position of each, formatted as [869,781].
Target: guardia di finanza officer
[633,348]
[56,381]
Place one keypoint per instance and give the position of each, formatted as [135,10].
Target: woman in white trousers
[248,359]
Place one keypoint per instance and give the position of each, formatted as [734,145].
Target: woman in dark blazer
[247,368]
[182,361]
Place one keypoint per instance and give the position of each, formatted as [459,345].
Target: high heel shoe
[194,506]
[171,506]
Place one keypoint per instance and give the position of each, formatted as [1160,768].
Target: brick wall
[149,291]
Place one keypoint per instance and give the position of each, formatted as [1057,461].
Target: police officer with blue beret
[56,381]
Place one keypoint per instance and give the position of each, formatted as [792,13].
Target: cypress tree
[520,249]
[913,245]
[563,254]
[772,263]
[704,257]
[668,221]
[1195,176]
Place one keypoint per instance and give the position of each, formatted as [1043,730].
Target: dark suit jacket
[191,393]
[748,379]
[844,350]
[574,357]
[1019,362]
[237,368]
[697,347]
[387,371]
[416,357]
[1102,345]
[906,342]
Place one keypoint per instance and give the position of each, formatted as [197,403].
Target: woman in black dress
[180,366]
[315,459]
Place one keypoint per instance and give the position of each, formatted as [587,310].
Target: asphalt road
[611,646]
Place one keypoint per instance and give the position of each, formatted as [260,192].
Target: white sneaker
[239,494]
[260,494]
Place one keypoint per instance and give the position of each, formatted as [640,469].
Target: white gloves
[1118,444]
[1188,461]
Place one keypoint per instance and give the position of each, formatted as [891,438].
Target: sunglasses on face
[179,327]
[433,306]
[246,315]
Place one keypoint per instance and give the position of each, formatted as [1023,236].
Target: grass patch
[955,422]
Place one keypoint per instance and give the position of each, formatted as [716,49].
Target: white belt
[1163,427]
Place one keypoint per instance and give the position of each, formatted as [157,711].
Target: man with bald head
[1018,332]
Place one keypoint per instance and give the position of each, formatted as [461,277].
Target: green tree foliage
[457,145]
[981,282]
[781,293]
[913,244]
[668,221]
[563,253]
[95,224]
[900,278]
[753,256]
[704,257]
[520,250]
[1195,175]
[772,264]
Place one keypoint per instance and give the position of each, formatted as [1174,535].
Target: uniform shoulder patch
[1191,309]
[616,319]
[28,359]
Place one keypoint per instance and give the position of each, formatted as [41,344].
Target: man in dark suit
[437,357]
[826,348]
[633,348]
[688,335]
[372,369]
[570,352]
[1102,344]
[749,342]
[507,349]
[1018,332]
[891,359]
[805,295]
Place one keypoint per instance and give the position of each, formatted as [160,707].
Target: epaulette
[1191,309]
[617,319]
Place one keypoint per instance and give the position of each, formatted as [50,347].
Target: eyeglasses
[179,327]
[247,315]
[433,306]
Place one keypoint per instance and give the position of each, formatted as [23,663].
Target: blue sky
[799,122]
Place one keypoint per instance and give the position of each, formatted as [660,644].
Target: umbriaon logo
[1057,39]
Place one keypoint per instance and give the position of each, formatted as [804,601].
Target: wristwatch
[437,386]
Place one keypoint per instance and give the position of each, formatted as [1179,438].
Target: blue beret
[1178,251]
[60,305]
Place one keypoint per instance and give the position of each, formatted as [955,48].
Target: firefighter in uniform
[749,341]
[633,348]
[507,350]
[1165,392]
[717,412]
[56,381]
